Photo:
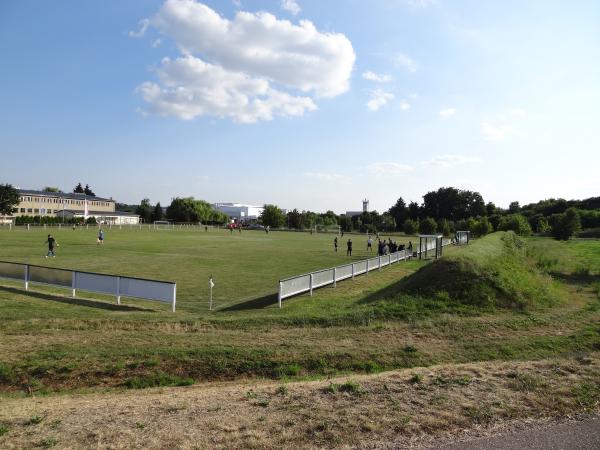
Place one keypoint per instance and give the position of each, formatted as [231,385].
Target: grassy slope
[49,344]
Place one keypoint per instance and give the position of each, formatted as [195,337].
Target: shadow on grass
[575,278]
[75,301]
[254,303]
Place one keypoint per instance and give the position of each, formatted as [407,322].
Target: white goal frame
[166,225]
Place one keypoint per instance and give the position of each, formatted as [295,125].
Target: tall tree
[399,212]
[272,216]
[9,198]
[88,191]
[78,189]
[144,210]
[414,211]
[514,207]
[157,213]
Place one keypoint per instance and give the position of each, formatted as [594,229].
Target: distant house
[358,213]
[71,205]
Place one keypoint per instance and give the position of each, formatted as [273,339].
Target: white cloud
[290,6]
[494,132]
[244,68]
[144,23]
[406,62]
[451,160]
[237,3]
[378,78]
[156,43]
[518,112]
[326,176]
[191,87]
[404,105]
[389,168]
[448,112]
[379,98]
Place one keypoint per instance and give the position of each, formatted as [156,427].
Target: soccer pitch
[244,266]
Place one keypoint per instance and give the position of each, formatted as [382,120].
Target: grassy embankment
[494,300]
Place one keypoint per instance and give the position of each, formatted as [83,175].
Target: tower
[365,205]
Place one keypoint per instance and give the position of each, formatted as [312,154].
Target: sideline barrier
[161,291]
[288,287]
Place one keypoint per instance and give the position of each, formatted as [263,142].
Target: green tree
[567,224]
[50,189]
[410,226]
[514,207]
[157,213]
[427,226]
[272,216]
[78,189]
[482,226]
[399,212]
[9,198]
[144,210]
[515,222]
[88,191]
[444,227]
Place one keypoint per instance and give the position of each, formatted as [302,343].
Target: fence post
[334,276]
[379,268]
[26,277]
[353,271]
[310,284]
[280,292]
[73,278]
[118,290]
[389,259]
[174,297]
[367,271]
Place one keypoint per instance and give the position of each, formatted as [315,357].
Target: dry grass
[390,409]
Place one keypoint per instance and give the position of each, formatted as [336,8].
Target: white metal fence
[161,291]
[299,284]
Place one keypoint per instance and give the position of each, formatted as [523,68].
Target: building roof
[70,195]
[99,213]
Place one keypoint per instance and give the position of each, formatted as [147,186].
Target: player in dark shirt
[52,244]
[349,250]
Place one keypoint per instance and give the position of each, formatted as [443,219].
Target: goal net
[163,225]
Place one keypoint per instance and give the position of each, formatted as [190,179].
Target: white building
[239,212]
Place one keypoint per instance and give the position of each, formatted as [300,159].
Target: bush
[428,226]
[410,226]
[567,224]
[482,227]
[515,222]
[591,233]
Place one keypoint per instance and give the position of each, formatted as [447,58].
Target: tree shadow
[576,278]
[254,303]
[76,301]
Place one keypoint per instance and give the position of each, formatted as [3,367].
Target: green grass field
[50,342]
[244,266]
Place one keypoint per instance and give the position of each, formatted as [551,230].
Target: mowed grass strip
[399,409]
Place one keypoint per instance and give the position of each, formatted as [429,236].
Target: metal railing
[307,282]
[161,291]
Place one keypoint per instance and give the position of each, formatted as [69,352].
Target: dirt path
[397,409]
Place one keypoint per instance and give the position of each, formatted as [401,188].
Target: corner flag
[211,283]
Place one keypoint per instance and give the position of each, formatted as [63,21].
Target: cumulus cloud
[404,105]
[141,30]
[190,87]
[290,6]
[406,62]
[494,132]
[448,112]
[451,160]
[389,168]
[246,68]
[378,78]
[379,97]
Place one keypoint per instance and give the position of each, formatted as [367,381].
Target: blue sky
[314,105]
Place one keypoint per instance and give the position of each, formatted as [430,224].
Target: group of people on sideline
[383,247]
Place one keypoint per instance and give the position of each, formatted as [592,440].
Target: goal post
[163,225]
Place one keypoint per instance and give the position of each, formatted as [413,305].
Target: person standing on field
[100,237]
[349,250]
[335,244]
[52,244]
[369,244]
